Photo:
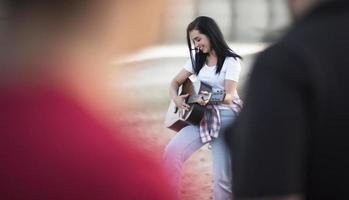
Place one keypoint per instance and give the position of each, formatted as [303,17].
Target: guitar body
[196,111]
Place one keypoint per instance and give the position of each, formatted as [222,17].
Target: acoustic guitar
[196,89]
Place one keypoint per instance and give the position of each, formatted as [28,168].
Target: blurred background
[240,20]
[143,76]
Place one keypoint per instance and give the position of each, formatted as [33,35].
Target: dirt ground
[196,177]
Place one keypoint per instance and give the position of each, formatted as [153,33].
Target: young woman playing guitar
[214,64]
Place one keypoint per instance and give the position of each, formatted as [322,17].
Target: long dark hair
[207,26]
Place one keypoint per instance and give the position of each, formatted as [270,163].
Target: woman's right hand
[180,102]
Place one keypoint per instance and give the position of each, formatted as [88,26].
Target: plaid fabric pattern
[210,124]
[237,104]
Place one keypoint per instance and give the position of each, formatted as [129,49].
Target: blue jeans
[187,141]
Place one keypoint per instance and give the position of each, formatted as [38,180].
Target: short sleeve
[188,66]
[233,69]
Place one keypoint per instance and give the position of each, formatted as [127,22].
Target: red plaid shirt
[211,122]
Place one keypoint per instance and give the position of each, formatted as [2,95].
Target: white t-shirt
[230,70]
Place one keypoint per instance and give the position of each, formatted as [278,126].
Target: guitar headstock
[217,97]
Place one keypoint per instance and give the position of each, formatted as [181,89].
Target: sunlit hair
[207,26]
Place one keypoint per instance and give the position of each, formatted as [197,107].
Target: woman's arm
[175,83]
[230,88]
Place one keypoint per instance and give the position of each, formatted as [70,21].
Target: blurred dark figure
[291,139]
[53,145]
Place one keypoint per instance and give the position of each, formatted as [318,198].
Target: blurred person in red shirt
[53,142]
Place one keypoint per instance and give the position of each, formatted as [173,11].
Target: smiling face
[201,41]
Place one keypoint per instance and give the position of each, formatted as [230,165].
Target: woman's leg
[179,149]
[222,171]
